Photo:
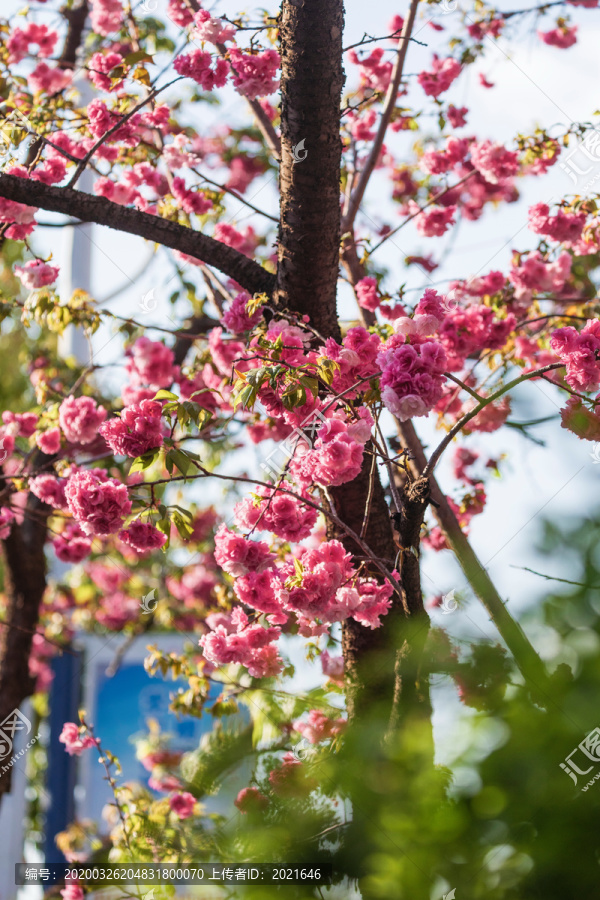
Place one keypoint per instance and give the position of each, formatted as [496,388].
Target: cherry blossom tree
[325,543]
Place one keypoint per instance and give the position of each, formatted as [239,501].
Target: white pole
[76,267]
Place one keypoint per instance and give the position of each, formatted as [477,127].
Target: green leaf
[166,395]
[145,461]
[181,460]
[137,56]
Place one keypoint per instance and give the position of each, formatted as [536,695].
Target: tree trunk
[312,78]
[24,585]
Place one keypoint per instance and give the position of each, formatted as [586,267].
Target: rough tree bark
[24,585]
[312,78]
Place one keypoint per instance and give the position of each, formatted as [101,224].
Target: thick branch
[511,632]
[249,274]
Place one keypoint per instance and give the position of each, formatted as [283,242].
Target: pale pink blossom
[80,419]
[278,512]
[237,319]
[75,740]
[150,363]
[107,16]
[580,351]
[254,74]
[319,727]
[72,892]
[457,115]
[49,489]
[210,28]
[412,375]
[49,79]
[48,441]
[367,293]
[237,555]
[563,227]
[433,221]
[99,68]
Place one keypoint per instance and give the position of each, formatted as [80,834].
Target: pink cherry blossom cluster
[72,545]
[375,69]
[469,331]
[107,16]
[150,364]
[21,38]
[277,512]
[367,294]
[182,804]
[49,489]
[565,228]
[580,420]
[580,351]
[197,65]
[319,727]
[99,503]
[436,162]
[335,457]
[356,359]
[443,72]
[433,221]
[7,517]
[412,375]
[250,800]
[329,589]
[117,610]
[537,274]
[35,273]
[143,536]
[562,37]
[254,74]
[138,429]
[75,739]
[494,161]
[249,645]
[236,318]
[99,68]
[237,555]
[210,28]
[80,419]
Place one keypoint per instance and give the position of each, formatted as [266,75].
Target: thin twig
[470,415]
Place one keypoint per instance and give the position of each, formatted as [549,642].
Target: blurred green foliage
[503,821]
